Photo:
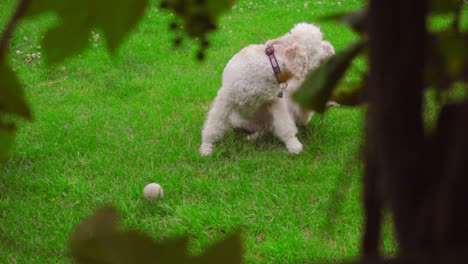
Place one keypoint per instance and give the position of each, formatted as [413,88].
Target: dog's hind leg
[216,124]
[284,127]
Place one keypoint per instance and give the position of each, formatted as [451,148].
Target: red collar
[276,68]
[274,63]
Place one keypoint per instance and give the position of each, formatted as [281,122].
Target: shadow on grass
[343,186]
[235,142]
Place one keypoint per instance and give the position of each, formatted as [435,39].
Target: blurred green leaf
[216,7]
[131,247]
[446,60]
[116,18]
[11,94]
[443,6]
[318,86]
[435,72]
[356,20]
[454,49]
[227,251]
[200,17]
[351,97]
[61,42]
[98,240]
[104,221]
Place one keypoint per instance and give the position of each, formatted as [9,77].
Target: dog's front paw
[332,104]
[254,136]
[206,149]
[294,146]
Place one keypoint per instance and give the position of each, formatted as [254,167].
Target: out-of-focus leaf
[318,86]
[352,97]
[115,17]
[228,251]
[435,73]
[200,17]
[61,42]
[446,60]
[118,20]
[131,247]
[104,221]
[356,20]
[443,6]
[7,134]
[454,49]
[98,240]
[11,94]
[38,7]
[216,7]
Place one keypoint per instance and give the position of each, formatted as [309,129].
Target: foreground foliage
[98,238]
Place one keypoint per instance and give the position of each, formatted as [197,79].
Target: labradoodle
[253,82]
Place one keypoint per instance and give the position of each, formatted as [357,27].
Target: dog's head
[327,51]
[301,33]
[304,39]
[318,50]
[307,32]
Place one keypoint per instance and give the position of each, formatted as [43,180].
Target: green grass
[105,126]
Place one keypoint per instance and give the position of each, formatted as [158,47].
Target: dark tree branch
[457,15]
[451,213]
[10,27]
[394,116]
[457,255]
[372,207]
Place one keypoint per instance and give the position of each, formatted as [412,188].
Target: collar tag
[283,86]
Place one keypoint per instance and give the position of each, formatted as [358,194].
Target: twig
[6,36]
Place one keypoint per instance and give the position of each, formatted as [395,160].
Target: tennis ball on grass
[153,191]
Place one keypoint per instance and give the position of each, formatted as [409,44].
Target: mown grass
[105,126]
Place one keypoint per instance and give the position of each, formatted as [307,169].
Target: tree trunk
[395,136]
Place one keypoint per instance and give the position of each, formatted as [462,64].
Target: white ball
[153,191]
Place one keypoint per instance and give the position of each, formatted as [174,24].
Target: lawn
[106,125]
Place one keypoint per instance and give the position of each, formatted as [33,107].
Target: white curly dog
[248,98]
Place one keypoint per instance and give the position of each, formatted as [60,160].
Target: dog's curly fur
[248,96]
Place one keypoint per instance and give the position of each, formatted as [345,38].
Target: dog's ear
[328,50]
[296,60]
